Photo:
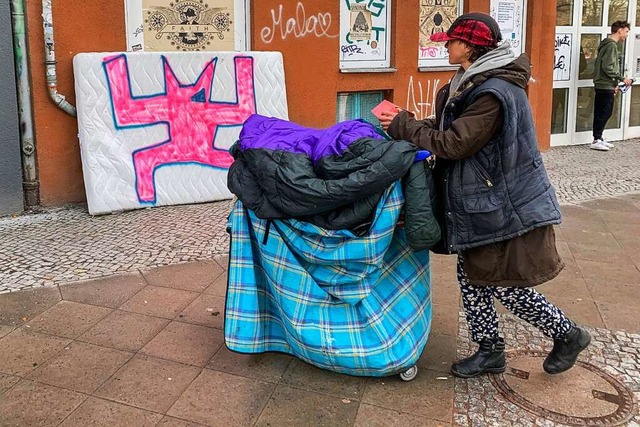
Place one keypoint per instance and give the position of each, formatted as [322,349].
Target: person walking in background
[498,204]
[607,75]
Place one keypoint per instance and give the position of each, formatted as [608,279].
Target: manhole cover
[583,396]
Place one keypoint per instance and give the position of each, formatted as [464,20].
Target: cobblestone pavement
[65,245]
[479,402]
[580,174]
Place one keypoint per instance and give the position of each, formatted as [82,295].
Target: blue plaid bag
[355,304]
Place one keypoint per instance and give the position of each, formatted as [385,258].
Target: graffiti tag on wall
[191,117]
[155,129]
[421,100]
[299,25]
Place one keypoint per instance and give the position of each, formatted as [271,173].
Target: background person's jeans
[602,110]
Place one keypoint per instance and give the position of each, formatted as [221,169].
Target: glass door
[580,26]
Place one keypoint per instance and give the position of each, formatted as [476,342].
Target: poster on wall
[365,29]
[510,16]
[186,25]
[435,16]
[562,57]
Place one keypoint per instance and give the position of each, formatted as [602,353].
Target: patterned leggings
[525,303]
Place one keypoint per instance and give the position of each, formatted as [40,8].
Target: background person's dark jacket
[607,68]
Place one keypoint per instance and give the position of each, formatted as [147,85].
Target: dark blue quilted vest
[503,190]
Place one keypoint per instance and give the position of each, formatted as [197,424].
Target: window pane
[618,10]
[634,111]
[614,121]
[588,51]
[622,53]
[584,113]
[564,12]
[358,105]
[559,111]
[592,12]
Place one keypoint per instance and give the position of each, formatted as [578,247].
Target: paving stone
[185,343]
[160,302]
[235,401]
[81,367]
[292,407]
[148,383]
[102,413]
[68,319]
[18,308]
[7,381]
[269,367]
[22,351]
[107,292]
[124,331]
[205,310]
[429,395]
[34,404]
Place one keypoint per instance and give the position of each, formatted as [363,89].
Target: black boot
[565,350]
[488,358]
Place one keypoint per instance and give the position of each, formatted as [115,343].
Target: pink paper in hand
[383,107]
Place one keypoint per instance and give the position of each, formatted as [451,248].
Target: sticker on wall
[510,16]
[155,129]
[186,25]
[435,16]
[365,29]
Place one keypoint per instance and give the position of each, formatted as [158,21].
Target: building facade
[322,85]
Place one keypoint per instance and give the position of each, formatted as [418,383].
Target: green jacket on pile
[607,69]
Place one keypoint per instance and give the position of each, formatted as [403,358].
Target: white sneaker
[608,144]
[599,145]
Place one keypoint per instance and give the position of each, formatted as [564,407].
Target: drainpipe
[50,61]
[30,182]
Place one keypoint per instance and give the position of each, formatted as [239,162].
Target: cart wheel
[409,374]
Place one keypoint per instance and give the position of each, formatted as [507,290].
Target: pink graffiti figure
[192,119]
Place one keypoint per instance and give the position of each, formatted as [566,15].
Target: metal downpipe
[50,61]
[30,183]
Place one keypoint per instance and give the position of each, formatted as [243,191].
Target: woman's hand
[387,117]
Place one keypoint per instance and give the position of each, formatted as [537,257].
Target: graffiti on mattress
[192,119]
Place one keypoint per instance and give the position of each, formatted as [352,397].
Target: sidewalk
[60,246]
[145,348]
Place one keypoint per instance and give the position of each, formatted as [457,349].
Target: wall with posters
[307,32]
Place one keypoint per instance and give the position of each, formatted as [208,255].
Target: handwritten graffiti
[191,118]
[421,100]
[299,25]
[429,52]
[562,57]
[349,50]
[560,42]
